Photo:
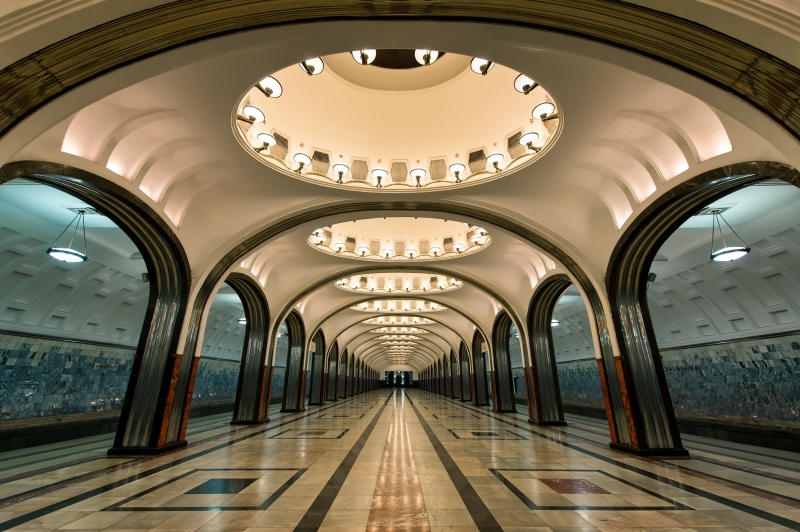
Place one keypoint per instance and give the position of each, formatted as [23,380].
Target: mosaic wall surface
[751,382]
[41,378]
[50,377]
[579,381]
[746,382]
[217,380]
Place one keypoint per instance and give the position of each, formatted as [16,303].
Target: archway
[546,406]
[250,405]
[342,386]
[293,336]
[504,335]
[332,391]
[480,354]
[152,418]
[466,382]
[455,387]
[653,427]
[316,379]
[351,375]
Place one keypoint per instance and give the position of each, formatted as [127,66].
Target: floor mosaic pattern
[398,460]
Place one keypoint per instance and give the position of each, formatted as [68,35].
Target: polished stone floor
[398,459]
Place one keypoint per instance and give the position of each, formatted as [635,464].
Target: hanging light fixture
[544,111]
[426,57]
[495,159]
[251,114]
[312,66]
[418,174]
[524,84]
[528,139]
[456,169]
[242,319]
[341,170]
[303,160]
[70,254]
[726,253]
[266,141]
[363,250]
[411,252]
[436,250]
[319,236]
[379,174]
[364,57]
[271,87]
[387,252]
[481,66]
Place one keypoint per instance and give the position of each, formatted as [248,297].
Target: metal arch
[346,306]
[545,394]
[426,267]
[361,319]
[502,379]
[250,389]
[649,406]
[151,417]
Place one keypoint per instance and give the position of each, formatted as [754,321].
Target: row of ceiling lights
[479,238]
[389,287]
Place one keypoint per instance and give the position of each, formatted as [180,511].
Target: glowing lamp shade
[270,87]
[543,110]
[495,159]
[524,84]
[426,57]
[529,139]
[338,246]
[481,66]
[436,251]
[476,238]
[417,173]
[266,140]
[379,174]
[364,57]
[341,168]
[312,66]
[302,159]
[251,112]
[387,252]
[363,250]
[554,322]
[456,168]
[242,320]
[411,252]
[459,247]
[730,253]
[66,254]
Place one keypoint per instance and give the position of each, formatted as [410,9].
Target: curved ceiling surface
[393,125]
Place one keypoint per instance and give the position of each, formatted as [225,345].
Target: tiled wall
[579,381]
[217,380]
[40,378]
[747,382]
[51,377]
[750,382]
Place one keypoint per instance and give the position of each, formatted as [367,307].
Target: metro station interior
[271,265]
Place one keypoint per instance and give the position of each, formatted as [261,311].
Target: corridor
[398,459]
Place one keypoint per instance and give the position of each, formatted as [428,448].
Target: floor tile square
[571,485]
[222,485]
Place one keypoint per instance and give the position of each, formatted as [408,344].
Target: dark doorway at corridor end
[399,379]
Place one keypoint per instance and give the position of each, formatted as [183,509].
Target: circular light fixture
[312,66]
[730,253]
[271,87]
[318,236]
[495,159]
[410,252]
[456,169]
[303,160]
[364,57]
[426,57]
[418,174]
[341,170]
[379,174]
[266,141]
[66,254]
[543,111]
[363,250]
[435,251]
[387,252]
[529,139]
[242,320]
[524,84]
[481,66]
[554,322]
[253,114]
[338,246]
